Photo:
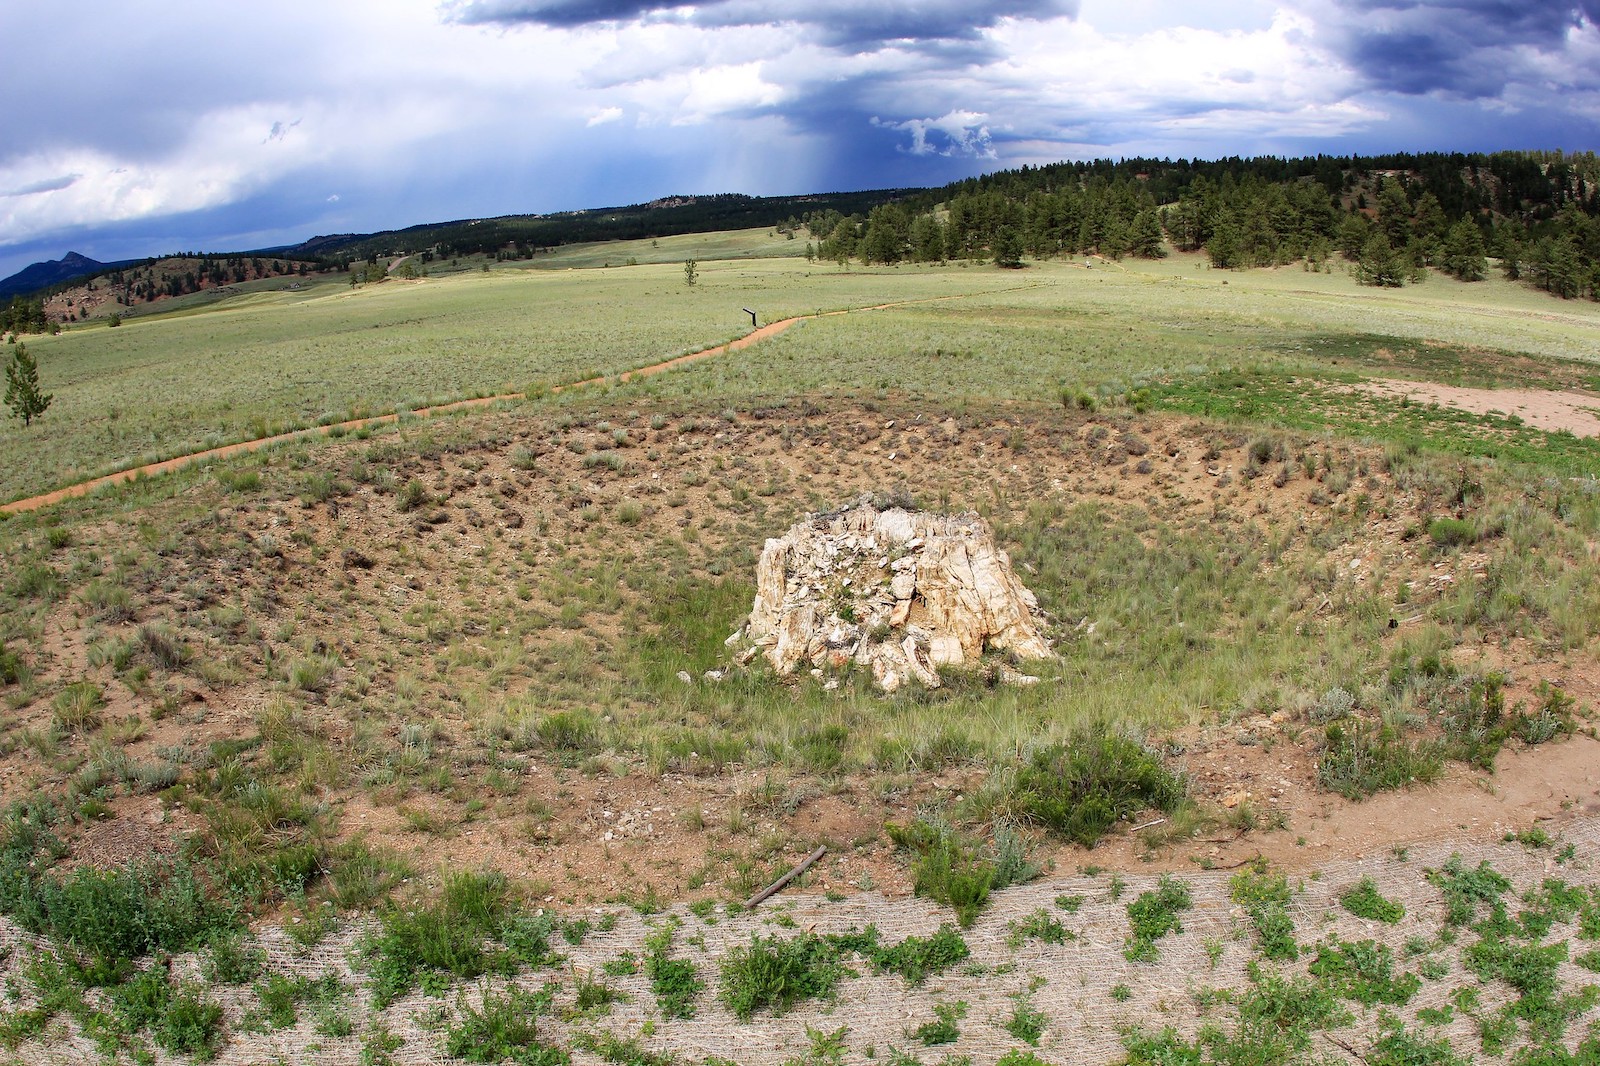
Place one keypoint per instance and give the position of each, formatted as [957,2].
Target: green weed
[503,1027]
[447,938]
[675,982]
[1365,901]
[1153,915]
[1364,972]
[1265,897]
[778,972]
[945,1028]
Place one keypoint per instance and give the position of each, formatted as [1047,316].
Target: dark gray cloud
[65,181]
[846,24]
[1471,49]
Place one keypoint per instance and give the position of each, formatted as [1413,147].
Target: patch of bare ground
[429,635]
[1550,410]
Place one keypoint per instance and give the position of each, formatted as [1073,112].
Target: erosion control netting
[1087,990]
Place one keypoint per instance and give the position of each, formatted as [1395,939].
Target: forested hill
[1395,216]
[519,236]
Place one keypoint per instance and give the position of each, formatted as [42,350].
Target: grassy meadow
[378,747]
[169,384]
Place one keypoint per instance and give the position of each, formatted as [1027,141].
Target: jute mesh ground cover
[1088,991]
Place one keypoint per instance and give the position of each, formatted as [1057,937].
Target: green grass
[489,652]
[171,384]
[1287,399]
[168,384]
[473,928]
[1084,785]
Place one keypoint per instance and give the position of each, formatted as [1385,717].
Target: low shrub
[1361,759]
[1451,532]
[1081,788]
[11,668]
[115,916]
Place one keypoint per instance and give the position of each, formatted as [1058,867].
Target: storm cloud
[1474,49]
[846,24]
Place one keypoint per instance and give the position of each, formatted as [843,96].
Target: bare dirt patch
[1549,410]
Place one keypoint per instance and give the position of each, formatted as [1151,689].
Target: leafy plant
[1265,897]
[674,981]
[915,958]
[447,937]
[945,1028]
[1038,925]
[1027,1022]
[503,1027]
[1365,901]
[1364,971]
[1153,915]
[1466,891]
[946,868]
[777,972]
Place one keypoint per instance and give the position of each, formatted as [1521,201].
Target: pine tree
[22,387]
[1380,264]
[1464,257]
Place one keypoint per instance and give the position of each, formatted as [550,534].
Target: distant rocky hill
[38,276]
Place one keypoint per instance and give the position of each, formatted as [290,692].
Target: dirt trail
[771,329]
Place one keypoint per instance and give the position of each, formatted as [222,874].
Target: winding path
[771,329]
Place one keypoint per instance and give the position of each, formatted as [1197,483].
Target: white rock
[967,598]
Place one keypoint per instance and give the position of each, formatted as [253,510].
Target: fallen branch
[1147,825]
[1335,1040]
[800,868]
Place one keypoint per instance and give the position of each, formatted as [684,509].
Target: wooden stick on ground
[801,868]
